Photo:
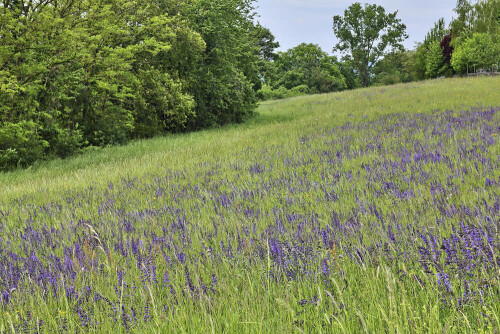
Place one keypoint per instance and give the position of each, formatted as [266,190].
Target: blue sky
[310,21]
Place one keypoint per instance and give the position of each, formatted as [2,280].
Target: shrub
[20,145]
[267,93]
[301,89]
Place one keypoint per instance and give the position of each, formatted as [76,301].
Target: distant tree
[266,42]
[366,34]
[266,45]
[428,51]
[476,34]
[434,61]
[447,48]
[394,68]
[307,64]
[349,72]
[436,33]
[481,16]
[462,25]
[479,51]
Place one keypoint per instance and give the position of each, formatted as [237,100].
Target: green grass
[331,167]
[276,123]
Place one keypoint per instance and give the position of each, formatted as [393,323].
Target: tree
[83,67]
[478,51]
[366,34]
[434,61]
[266,42]
[481,16]
[394,68]
[428,51]
[307,64]
[476,34]
[223,79]
[349,72]
[447,48]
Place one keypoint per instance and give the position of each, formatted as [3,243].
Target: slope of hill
[277,123]
[374,210]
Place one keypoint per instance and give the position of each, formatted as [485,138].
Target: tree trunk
[365,78]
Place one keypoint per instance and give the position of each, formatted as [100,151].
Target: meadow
[374,210]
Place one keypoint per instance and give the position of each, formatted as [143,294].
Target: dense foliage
[303,69]
[476,16]
[393,68]
[93,73]
[428,57]
[478,51]
[365,34]
[470,42]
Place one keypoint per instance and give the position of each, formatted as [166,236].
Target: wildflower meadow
[381,222]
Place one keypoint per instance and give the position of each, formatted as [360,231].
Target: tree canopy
[469,41]
[367,33]
[307,64]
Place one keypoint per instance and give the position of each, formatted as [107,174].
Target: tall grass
[375,210]
[276,123]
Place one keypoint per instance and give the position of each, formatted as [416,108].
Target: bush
[20,145]
[301,89]
[386,79]
[67,142]
[267,93]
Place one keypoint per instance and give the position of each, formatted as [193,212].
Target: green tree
[266,42]
[434,66]
[481,16]
[307,64]
[428,51]
[394,68]
[348,70]
[366,34]
[224,79]
[478,51]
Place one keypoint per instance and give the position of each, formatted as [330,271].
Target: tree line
[90,73]
[371,52]
[86,73]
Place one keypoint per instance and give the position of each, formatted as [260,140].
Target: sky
[296,21]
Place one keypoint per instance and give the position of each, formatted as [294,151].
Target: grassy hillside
[277,123]
[375,210]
